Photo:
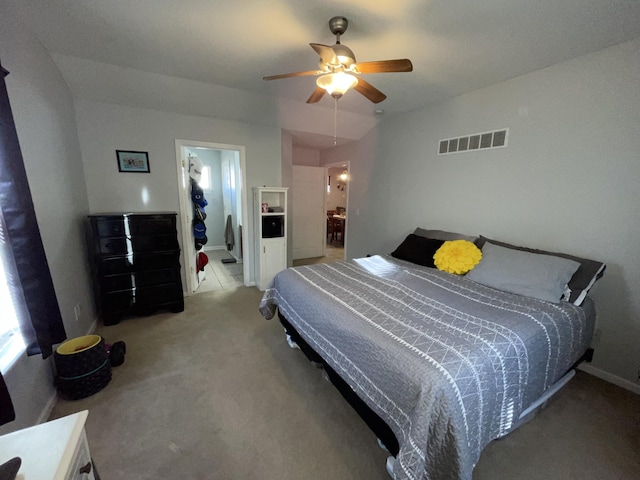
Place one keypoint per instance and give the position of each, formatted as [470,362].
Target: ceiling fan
[339,70]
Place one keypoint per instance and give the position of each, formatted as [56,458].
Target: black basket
[83,367]
[84,386]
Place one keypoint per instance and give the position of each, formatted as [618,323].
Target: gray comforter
[447,363]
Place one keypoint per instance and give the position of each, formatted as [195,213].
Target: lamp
[344,176]
[337,84]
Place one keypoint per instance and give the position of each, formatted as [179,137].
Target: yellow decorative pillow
[457,256]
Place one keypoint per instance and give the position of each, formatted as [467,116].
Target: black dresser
[135,263]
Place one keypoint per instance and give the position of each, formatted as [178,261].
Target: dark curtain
[30,284]
[7,414]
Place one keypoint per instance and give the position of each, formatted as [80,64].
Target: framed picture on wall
[132,161]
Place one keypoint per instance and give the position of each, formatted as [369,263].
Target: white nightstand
[56,450]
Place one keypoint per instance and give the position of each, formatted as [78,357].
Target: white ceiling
[456,46]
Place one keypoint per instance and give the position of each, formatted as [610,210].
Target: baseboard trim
[92,327]
[48,408]
[610,377]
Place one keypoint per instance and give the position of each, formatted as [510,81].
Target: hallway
[334,253]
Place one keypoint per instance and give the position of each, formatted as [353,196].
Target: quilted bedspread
[447,363]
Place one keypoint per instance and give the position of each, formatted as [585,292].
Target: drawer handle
[85,469]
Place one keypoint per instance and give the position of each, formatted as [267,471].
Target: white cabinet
[270,207]
[56,450]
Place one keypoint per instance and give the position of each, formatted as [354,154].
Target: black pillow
[418,250]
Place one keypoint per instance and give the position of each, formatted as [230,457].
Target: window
[11,343]
[205,178]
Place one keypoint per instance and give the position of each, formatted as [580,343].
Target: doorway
[335,203]
[222,259]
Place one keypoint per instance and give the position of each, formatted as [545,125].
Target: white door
[187,220]
[308,212]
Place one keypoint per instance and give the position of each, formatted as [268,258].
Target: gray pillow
[533,275]
[442,235]
[589,272]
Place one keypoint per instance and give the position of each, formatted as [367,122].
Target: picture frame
[133,161]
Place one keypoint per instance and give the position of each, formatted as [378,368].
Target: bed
[438,364]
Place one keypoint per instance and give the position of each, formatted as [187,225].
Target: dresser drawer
[138,244]
[135,225]
[126,281]
[141,298]
[152,225]
[111,228]
[138,262]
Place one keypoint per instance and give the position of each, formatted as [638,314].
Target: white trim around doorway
[186,206]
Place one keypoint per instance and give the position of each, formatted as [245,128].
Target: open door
[308,212]
[186,220]
[238,207]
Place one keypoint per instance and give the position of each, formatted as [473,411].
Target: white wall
[105,127]
[43,112]
[306,156]
[568,181]
[287,181]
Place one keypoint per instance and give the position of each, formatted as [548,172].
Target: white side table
[55,450]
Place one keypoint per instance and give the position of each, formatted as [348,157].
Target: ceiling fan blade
[369,91]
[316,95]
[385,66]
[294,74]
[326,53]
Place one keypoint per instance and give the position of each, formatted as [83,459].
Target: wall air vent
[475,141]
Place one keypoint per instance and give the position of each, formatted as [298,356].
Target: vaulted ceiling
[456,46]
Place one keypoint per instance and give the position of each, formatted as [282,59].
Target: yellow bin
[78,344]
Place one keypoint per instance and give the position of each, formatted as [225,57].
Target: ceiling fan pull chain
[335,121]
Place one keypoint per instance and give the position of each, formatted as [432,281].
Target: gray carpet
[215,393]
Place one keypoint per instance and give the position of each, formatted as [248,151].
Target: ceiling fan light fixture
[345,55]
[337,84]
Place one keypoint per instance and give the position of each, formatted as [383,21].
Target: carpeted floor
[215,393]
